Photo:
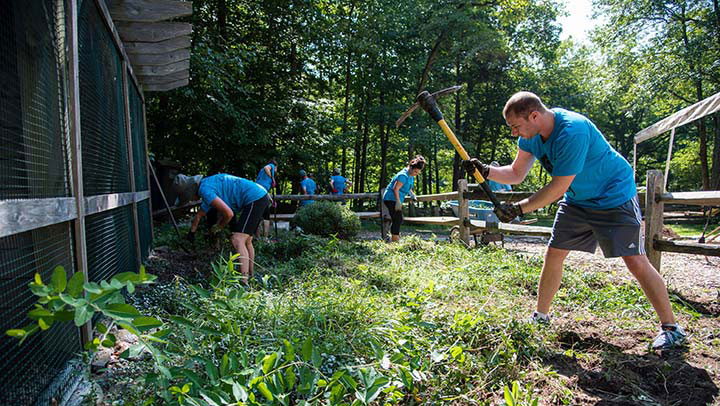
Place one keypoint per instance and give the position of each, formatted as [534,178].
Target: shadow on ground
[631,379]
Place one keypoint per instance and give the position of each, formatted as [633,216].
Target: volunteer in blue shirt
[600,204]
[338,183]
[400,186]
[266,179]
[266,176]
[230,195]
[307,187]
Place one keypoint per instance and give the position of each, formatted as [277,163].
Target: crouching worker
[400,186]
[230,195]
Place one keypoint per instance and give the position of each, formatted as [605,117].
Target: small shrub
[326,219]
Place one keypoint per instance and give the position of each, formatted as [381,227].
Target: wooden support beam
[167,86]
[149,10]
[442,221]
[162,70]
[463,211]
[152,32]
[653,216]
[328,197]
[161,47]
[160,59]
[161,80]
[707,198]
[687,247]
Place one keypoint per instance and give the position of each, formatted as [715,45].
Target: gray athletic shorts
[617,230]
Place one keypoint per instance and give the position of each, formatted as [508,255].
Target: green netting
[145,226]
[33,136]
[102,116]
[110,240]
[137,128]
[28,370]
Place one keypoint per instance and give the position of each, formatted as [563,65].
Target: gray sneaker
[671,336]
[537,318]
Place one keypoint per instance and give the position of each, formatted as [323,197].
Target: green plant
[326,219]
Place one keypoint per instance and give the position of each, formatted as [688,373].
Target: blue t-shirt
[603,178]
[339,184]
[310,188]
[495,186]
[407,184]
[263,179]
[234,191]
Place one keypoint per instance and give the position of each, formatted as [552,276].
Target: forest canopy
[318,84]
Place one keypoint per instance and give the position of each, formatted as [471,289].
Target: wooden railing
[655,202]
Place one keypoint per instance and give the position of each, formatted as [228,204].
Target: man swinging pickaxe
[429,103]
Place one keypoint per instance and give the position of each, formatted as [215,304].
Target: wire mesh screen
[144,219]
[27,370]
[137,130]
[102,116]
[34,138]
[110,240]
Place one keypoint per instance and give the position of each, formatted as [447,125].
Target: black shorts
[616,230]
[248,220]
[250,217]
[397,217]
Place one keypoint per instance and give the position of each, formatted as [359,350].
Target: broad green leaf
[15,333]
[200,291]
[145,323]
[316,358]
[268,362]
[40,290]
[163,370]
[92,287]
[290,378]
[101,328]
[59,279]
[38,279]
[182,321]
[83,314]
[44,325]
[239,392]
[211,370]
[508,396]
[72,301]
[121,311]
[262,387]
[307,350]
[224,365]
[289,351]
[37,313]
[130,287]
[129,327]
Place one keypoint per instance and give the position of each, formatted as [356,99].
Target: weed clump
[326,219]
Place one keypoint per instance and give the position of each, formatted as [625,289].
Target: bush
[326,219]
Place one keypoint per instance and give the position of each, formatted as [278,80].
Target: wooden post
[384,217]
[76,151]
[653,215]
[463,211]
[131,161]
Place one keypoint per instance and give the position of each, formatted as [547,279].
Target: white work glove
[412,196]
[398,205]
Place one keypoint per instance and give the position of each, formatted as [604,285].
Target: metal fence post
[463,211]
[76,151]
[653,215]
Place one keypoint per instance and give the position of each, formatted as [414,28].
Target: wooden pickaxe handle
[429,104]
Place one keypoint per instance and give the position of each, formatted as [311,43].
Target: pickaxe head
[428,102]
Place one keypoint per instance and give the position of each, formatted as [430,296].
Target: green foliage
[326,219]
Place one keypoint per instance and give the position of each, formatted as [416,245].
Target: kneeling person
[230,195]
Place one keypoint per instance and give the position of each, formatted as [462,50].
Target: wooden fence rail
[654,207]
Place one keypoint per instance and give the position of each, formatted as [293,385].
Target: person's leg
[239,242]
[550,277]
[251,255]
[652,284]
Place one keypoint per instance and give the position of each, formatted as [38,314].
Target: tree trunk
[715,175]
[384,137]
[363,165]
[222,18]
[358,135]
[457,171]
